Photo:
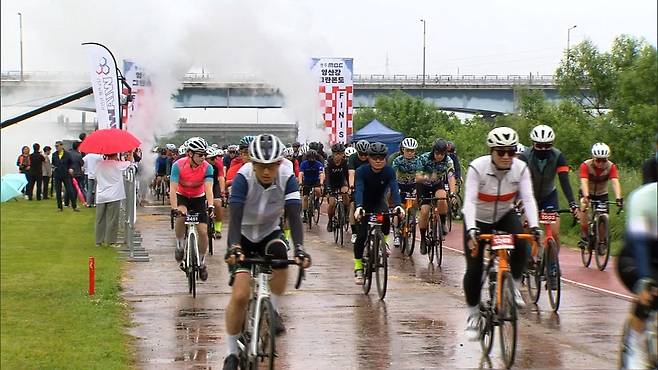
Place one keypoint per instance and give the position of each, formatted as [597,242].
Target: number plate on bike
[601,207]
[194,218]
[547,217]
[377,219]
[502,242]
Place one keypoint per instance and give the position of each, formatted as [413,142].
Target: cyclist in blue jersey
[311,175]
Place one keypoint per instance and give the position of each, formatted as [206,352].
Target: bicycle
[313,208]
[257,342]
[375,255]
[650,330]
[500,309]
[161,191]
[339,220]
[598,234]
[455,204]
[544,262]
[408,226]
[211,234]
[434,233]
[191,259]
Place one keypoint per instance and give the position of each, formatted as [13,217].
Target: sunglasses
[440,153]
[503,152]
[378,157]
[361,154]
[200,154]
[601,160]
[543,145]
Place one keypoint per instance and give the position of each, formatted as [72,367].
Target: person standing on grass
[46,172]
[76,166]
[23,164]
[90,163]
[109,193]
[61,161]
[35,172]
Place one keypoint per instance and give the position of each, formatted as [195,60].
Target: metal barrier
[132,240]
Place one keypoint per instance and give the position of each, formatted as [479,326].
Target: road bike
[434,233]
[191,259]
[375,254]
[339,220]
[499,309]
[598,234]
[454,206]
[257,342]
[408,226]
[313,208]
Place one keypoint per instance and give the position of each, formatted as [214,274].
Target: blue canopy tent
[377,131]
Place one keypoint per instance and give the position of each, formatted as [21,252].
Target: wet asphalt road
[332,325]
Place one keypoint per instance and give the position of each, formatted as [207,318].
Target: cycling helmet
[246,140]
[377,148]
[311,155]
[338,148]
[362,146]
[542,134]
[303,149]
[296,144]
[451,147]
[288,152]
[233,148]
[520,148]
[349,151]
[182,149]
[216,146]
[409,143]
[224,147]
[211,152]
[313,145]
[220,152]
[171,146]
[600,150]
[196,144]
[440,146]
[266,148]
[502,136]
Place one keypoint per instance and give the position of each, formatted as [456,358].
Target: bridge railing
[454,80]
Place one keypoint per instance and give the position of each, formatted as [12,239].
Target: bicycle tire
[411,232]
[341,235]
[266,337]
[334,224]
[309,212]
[586,252]
[211,236]
[316,211]
[191,267]
[439,244]
[171,219]
[552,258]
[487,333]
[381,264]
[507,318]
[340,209]
[602,244]
[367,266]
[533,282]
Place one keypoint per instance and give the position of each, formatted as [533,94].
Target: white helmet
[409,143]
[220,152]
[349,151]
[542,134]
[502,136]
[215,145]
[303,149]
[182,149]
[196,144]
[171,146]
[233,148]
[520,148]
[266,148]
[288,152]
[211,152]
[600,150]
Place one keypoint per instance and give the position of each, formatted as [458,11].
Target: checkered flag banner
[336,96]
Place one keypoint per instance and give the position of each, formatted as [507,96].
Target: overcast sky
[474,36]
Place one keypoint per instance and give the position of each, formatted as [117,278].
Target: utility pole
[424,29]
[568,42]
[20,31]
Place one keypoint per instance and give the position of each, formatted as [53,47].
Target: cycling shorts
[161,174]
[549,201]
[425,190]
[272,245]
[406,190]
[306,187]
[216,192]
[195,205]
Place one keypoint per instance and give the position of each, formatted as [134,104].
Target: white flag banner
[103,73]
[336,96]
[140,85]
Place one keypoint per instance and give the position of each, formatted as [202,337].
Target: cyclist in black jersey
[336,173]
[355,161]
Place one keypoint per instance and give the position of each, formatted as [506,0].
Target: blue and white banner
[105,82]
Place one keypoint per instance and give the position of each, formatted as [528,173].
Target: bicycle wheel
[367,265]
[309,211]
[339,226]
[316,211]
[411,232]
[192,264]
[533,281]
[553,275]
[265,334]
[381,266]
[211,236]
[507,317]
[586,253]
[334,223]
[487,333]
[439,243]
[602,242]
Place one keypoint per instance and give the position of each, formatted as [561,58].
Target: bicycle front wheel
[602,242]
[507,318]
[411,233]
[381,266]
[192,264]
[211,236]
[316,211]
[439,244]
[340,208]
[265,336]
[368,257]
[586,253]
[309,211]
[553,274]
[533,281]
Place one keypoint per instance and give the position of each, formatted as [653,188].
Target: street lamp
[423,86]
[20,28]
[568,41]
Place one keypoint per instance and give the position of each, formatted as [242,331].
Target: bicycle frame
[191,230]
[261,287]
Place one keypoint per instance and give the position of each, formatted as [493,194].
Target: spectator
[47,173]
[90,162]
[35,172]
[61,161]
[109,193]
[23,163]
[76,167]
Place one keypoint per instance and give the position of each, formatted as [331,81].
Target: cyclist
[262,190]
[289,154]
[160,168]
[436,167]
[335,177]
[594,175]
[311,175]
[492,183]
[637,266]
[182,152]
[545,162]
[218,188]
[232,153]
[452,153]
[407,168]
[371,183]
[237,162]
[355,161]
[520,148]
[190,191]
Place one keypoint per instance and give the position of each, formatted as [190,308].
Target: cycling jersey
[370,188]
[311,171]
[642,223]
[406,169]
[598,177]
[263,206]
[161,166]
[191,180]
[543,171]
[353,162]
[335,174]
[490,193]
[436,170]
[235,166]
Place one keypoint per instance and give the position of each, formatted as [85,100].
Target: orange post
[92,268]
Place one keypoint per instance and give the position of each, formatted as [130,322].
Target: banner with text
[140,84]
[103,73]
[336,96]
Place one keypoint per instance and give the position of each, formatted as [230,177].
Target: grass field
[48,320]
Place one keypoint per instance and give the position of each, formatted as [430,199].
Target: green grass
[48,321]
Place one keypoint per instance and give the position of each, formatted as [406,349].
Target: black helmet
[440,146]
[377,148]
[338,148]
[362,146]
[313,145]
[225,147]
[311,155]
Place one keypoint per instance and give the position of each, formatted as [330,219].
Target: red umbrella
[109,141]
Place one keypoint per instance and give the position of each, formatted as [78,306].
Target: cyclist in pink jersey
[191,191]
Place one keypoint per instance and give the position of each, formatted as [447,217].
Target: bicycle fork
[263,289]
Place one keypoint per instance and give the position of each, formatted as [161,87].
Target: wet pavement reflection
[331,324]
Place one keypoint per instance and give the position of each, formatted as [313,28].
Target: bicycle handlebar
[269,262]
[527,237]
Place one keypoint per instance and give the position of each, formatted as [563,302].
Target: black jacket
[76,162]
[61,166]
[36,164]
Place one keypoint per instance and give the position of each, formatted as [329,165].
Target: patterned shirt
[406,169]
[436,170]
